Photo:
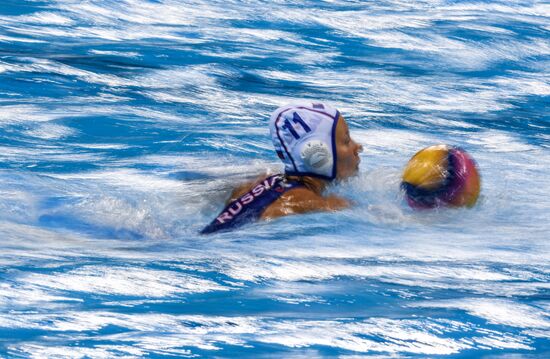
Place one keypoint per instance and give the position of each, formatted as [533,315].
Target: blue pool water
[125,124]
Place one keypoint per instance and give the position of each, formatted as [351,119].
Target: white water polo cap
[304,138]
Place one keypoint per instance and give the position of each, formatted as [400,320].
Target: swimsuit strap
[250,206]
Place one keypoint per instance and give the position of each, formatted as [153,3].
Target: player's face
[347,151]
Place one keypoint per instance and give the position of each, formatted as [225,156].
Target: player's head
[312,139]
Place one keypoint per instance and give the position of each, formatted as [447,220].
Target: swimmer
[313,141]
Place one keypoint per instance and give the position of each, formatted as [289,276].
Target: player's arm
[308,201]
[302,200]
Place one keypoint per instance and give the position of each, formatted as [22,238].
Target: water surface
[125,124]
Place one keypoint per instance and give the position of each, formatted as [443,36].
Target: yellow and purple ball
[441,175]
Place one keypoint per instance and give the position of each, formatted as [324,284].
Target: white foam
[502,342]
[103,146]
[386,141]
[176,77]
[496,311]
[30,155]
[4,38]
[50,131]
[374,88]
[14,114]
[17,205]
[127,20]
[416,336]
[14,296]
[44,18]
[486,28]
[499,141]
[130,178]
[293,269]
[128,200]
[47,66]
[381,241]
[130,54]
[131,281]
[36,351]
[521,83]
[534,9]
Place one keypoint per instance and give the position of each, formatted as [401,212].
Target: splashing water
[125,124]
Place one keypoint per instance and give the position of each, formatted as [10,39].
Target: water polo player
[313,141]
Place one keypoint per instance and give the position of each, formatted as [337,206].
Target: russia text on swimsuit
[236,207]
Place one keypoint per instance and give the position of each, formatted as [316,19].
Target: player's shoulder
[245,187]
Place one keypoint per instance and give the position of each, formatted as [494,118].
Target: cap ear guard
[316,156]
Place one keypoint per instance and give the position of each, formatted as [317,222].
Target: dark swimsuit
[250,206]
